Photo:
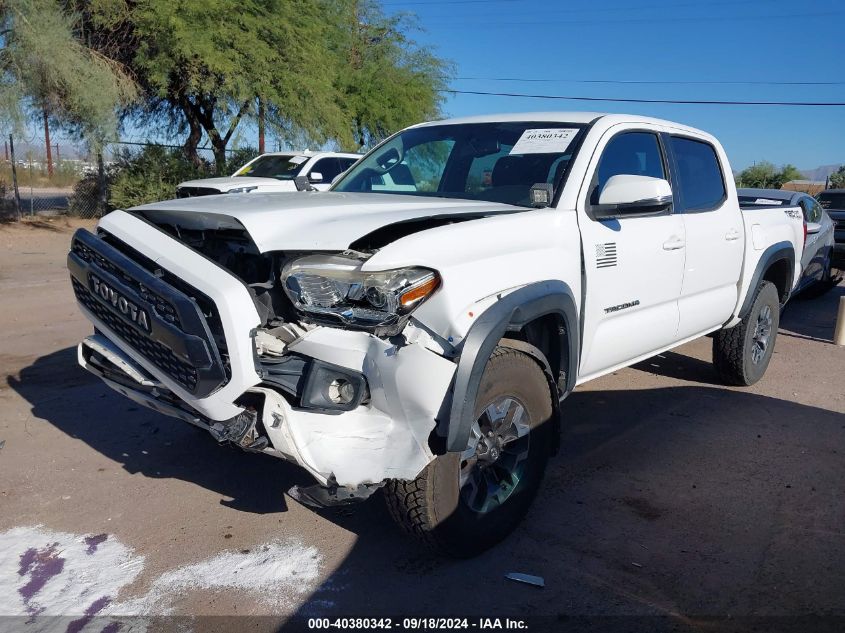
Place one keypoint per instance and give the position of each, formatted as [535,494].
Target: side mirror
[628,195]
[315,176]
[813,228]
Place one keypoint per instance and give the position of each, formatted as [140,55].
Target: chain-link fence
[59,186]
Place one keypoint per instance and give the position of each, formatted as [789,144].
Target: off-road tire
[732,348]
[430,507]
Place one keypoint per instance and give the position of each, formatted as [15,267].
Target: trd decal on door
[606,255]
[622,306]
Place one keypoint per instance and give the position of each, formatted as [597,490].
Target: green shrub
[239,158]
[149,175]
[152,175]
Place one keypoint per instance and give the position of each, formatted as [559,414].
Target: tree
[765,175]
[786,174]
[385,80]
[203,63]
[837,178]
[47,69]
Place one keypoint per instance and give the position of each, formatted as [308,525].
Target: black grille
[153,351]
[162,307]
[134,300]
[193,192]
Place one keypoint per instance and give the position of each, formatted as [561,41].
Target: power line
[672,101]
[477,23]
[651,82]
[637,7]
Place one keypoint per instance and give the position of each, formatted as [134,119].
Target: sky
[567,46]
[709,50]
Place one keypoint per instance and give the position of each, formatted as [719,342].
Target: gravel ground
[672,496]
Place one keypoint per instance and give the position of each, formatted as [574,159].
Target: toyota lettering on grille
[121,304]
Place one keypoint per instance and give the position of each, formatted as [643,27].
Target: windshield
[834,201]
[496,162]
[280,167]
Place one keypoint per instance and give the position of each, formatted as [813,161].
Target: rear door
[714,234]
[633,266]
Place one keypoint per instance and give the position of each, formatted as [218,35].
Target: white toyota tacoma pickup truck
[418,327]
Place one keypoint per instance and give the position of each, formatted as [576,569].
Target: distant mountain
[819,173]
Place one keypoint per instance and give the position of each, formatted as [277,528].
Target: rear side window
[699,181]
[812,210]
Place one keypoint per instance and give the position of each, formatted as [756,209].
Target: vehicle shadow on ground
[807,316]
[673,502]
[146,442]
[812,317]
[681,367]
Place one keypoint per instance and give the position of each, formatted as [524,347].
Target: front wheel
[464,503]
[742,353]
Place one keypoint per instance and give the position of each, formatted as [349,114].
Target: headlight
[334,287]
[243,189]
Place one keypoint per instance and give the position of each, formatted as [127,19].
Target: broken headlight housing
[333,288]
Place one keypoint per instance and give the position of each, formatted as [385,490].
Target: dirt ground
[672,495]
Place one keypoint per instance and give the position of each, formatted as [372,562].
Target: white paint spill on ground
[272,573]
[55,573]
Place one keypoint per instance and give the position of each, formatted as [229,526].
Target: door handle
[732,235]
[673,244]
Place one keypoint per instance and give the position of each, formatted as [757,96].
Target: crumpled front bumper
[385,438]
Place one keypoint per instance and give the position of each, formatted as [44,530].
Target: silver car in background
[833,201]
[817,260]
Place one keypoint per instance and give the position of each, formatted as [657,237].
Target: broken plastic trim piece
[317,496]
[241,430]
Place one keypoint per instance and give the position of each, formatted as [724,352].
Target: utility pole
[47,143]
[260,125]
[58,160]
[6,149]
[15,177]
[101,185]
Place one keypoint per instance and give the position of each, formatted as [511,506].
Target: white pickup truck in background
[273,172]
[418,327]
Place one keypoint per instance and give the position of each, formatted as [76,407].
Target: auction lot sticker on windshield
[544,141]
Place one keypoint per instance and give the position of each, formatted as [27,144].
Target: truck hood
[224,183]
[311,221]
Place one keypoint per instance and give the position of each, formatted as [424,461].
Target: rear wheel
[741,354]
[464,503]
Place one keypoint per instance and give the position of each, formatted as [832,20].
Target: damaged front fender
[385,438]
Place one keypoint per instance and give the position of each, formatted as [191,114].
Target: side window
[327,167]
[699,179]
[818,212]
[346,163]
[631,153]
[807,208]
[423,165]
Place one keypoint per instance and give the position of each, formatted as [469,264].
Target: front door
[633,267]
